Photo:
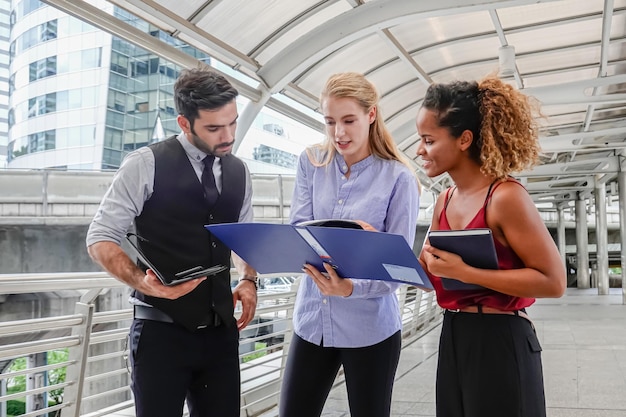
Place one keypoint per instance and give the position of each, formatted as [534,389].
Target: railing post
[44,193]
[289,331]
[79,354]
[3,392]
[281,198]
[417,310]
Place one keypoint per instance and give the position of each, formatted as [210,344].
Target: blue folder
[283,248]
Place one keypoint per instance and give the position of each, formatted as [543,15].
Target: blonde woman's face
[348,126]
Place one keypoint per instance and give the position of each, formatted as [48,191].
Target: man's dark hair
[201,89]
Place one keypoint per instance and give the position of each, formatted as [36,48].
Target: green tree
[55,376]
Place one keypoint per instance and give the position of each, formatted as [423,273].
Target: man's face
[213,132]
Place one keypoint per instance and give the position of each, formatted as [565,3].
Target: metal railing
[74,196]
[94,334]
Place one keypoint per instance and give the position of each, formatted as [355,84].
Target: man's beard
[214,150]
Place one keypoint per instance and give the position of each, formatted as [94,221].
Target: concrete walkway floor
[583,336]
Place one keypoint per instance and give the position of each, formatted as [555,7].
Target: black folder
[171,277]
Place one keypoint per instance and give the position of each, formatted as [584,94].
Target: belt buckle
[454,310]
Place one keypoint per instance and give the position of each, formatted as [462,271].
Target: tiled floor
[584,356]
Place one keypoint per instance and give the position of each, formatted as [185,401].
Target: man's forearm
[114,260]
[243,268]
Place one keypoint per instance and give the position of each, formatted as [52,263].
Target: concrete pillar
[582,241]
[560,234]
[621,181]
[602,245]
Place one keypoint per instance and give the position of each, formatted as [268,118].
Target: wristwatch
[254,279]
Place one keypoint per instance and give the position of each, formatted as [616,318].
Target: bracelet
[251,279]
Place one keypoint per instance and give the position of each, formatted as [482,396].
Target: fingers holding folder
[153,286]
[329,282]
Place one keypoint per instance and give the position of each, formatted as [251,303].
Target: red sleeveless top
[507,259]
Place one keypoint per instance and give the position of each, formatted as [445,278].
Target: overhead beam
[153,12]
[357,24]
[573,168]
[567,141]
[575,92]
[404,56]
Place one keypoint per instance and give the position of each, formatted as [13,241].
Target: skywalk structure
[568,54]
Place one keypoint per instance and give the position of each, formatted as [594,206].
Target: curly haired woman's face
[438,150]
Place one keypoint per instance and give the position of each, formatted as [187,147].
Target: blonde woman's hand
[366,226]
[329,283]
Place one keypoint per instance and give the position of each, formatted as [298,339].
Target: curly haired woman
[489,355]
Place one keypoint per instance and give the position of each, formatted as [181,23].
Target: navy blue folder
[283,248]
[474,246]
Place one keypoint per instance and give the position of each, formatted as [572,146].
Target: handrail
[97,378]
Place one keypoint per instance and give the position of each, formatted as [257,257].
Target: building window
[275,156]
[48,31]
[26,7]
[38,106]
[42,141]
[42,68]
[42,33]
[111,159]
[119,63]
[113,138]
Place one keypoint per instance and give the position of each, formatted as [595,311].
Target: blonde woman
[357,174]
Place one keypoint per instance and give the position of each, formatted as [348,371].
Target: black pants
[489,366]
[311,371]
[171,364]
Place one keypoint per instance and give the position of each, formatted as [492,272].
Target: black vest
[173,220]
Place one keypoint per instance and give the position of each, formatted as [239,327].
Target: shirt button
[340,201]
[214,244]
[324,301]
[211,216]
[345,167]
[343,177]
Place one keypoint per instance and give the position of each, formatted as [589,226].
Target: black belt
[154,314]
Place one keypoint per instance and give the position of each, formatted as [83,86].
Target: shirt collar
[191,151]
[359,166]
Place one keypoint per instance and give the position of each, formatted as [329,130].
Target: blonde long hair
[355,86]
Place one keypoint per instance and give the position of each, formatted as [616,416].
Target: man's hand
[151,285]
[115,261]
[245,292]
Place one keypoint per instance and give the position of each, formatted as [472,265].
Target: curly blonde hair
[501,119]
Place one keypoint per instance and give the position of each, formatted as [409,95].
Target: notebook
[172,277]
[474,246]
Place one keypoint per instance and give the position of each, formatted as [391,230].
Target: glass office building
[5,30]
[81,98]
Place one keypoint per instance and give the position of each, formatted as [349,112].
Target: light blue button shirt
[381,192]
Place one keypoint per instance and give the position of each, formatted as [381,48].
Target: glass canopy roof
[571,55]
